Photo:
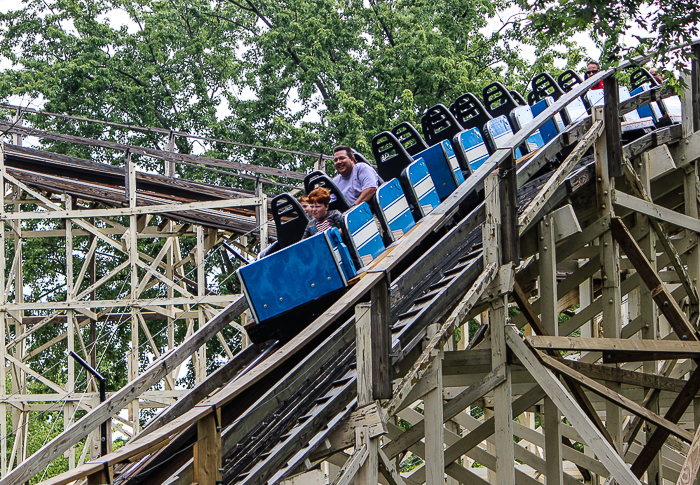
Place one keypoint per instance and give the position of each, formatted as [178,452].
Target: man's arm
[366,195]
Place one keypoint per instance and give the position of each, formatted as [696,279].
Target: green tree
[664,23]
[295,74]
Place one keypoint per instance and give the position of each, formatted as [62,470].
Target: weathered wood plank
[616,398]
[664,238]
[629,377]
[663,298]
[556,391]
[113,405]
[613,129]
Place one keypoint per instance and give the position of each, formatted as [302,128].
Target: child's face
[319,210]
[307,208]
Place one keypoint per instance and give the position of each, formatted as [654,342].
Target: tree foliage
[657,25]
[291,74]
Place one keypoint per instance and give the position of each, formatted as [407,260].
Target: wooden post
[369,471]
[498,317]
[261,215]
[649,315]
[207,450]
[170,164]
[550,321]
[510,252]
[3,322]
[613,129]
[433,416]
[201,363]
[69,409]
[133,258]
[610,255]
[381,341]
[17,121]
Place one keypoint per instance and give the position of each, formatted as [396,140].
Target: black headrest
[568,79]
[640,77]
[470,112]
[543,85]
[319,179]
[497,100]
[409,137]
[439,124]
[390,154]
[290,219]
[359,158]
[518,97]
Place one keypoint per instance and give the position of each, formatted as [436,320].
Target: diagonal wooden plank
[579,395]
[422,364]
[555,390]
[113,405]
[638,187]
[616,398]
[663,298]
[452,407]
[674,414]
[349,470]
[527,217]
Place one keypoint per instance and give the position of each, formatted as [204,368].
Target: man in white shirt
[358,182]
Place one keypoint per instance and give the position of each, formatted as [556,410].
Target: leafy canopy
[298,74]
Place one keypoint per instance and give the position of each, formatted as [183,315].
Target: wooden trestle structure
[609,394]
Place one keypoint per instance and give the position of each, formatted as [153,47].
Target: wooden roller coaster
[583,278]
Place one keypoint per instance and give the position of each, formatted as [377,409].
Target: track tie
[304,418]
[409,313]
[341,382]
[323,399]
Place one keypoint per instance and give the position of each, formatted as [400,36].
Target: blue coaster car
[446,176]
[363,234]
[474,147]
[416,181]
[498,132]
[521,116]
[394,214]
[552,127]
[288,289]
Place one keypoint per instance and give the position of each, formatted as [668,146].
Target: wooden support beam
[575,387]
[510,249]
[647,349]
[369,470]
[674,414]
[613,129]
[663,298]
[656,211]
[554,389]
[381,341]
[207,450]
[663,236]
[616,398]
[633,378]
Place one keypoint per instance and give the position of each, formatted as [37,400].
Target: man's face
[592,69]
[343,163]
[656,75]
